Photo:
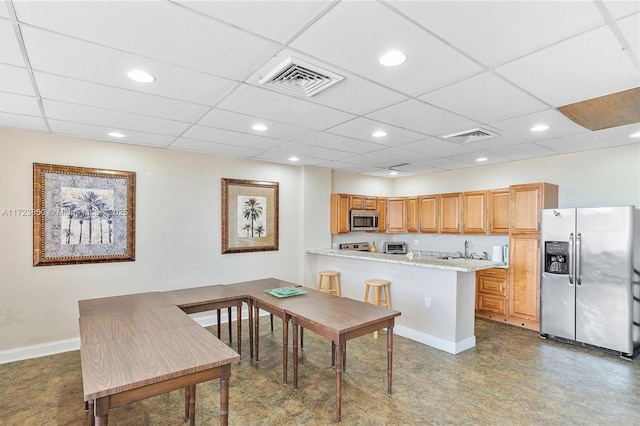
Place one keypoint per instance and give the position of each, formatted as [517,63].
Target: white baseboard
[436,342]
[37,351]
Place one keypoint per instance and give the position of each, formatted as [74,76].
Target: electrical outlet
[416,242]
[427,302]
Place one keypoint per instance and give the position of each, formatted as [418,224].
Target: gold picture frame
[82,215]
[250,216]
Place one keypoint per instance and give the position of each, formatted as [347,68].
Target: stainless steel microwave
[363,220]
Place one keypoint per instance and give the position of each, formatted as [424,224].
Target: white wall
[178,226]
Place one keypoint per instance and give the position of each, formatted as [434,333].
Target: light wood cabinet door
[474,212]
[450,213]
[412,214]
[428,213]
[339,214]
[361,202]
[526,203]
[498,211]
[524,276]
[396,214]
[382,214]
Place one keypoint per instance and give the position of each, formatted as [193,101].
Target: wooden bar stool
[378,286]
[329,282]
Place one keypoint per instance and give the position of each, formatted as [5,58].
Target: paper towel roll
[496,253]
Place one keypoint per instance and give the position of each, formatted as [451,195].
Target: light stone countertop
[460,265]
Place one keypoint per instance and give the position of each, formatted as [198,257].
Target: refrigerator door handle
[571,258]
[578,258]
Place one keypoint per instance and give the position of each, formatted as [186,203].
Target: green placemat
[285,291]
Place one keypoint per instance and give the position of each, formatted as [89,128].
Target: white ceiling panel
[228,137]
[242,123]
[574,143]
[372,29]
[4,12]
[349,167]
[68,57]
[98,95]
[485,98]
[26,122]
[15,80]
[340,143]
[438,148]
[630,29]
[472,158]
[584,67]
[9,48]
[276,20]
[495,32]
[19,104]
[445,164]
[283,153]
[363,128]
[620,135]
[559,125]
[185,144]
[522,151]
[396,155]
[302,150]
[99,132]
[107,118]
[620,8]
[157,29]
[419,116]
[287,109]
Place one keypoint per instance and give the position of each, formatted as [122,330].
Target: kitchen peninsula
[436,296]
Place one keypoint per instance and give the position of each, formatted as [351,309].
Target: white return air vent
[472,135]
[300,78]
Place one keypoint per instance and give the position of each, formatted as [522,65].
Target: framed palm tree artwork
[82,215]
[249,216]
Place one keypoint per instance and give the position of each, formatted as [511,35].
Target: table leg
[256,331]
[295,353]
[229,324]
[239,325]
[187,397]
[225,373]
[333,353]
[219,317]
[101,410]
[250,308]
[285,346]
[92,414]
[389,357]
[339,357]
[192,405]
[271,319]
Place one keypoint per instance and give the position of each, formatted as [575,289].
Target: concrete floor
[512,377]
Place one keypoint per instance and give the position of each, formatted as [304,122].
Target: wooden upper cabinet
[474,212]
[498,211]
[526,203]
[339,214]
[382,215]
[396,214]
[361,202]
[428,213]
[450,213]
[412,214]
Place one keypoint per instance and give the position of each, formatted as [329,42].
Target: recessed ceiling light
[393,173]
[379,134]
[539,128]
[141,76]
[635,135]
[293,158]
[116,134]
[481,159]
[259,127]
[392,58]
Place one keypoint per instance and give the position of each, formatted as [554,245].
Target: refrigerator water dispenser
[556,257]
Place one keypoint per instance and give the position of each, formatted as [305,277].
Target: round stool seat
[329,282]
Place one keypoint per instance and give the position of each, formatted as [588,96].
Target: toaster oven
[395,248]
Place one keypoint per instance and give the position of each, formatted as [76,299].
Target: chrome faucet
[466,249]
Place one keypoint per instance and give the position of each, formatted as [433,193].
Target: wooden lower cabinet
[491,287]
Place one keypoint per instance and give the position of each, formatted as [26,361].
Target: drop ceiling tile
[282,155]
[372,28]
[349,167]
[64,56]
[438,148]
[227,137]
[396,155]
[418,168]
[370,160]
[24,122]
[229,120]
[286,109]
[421,117]
[97,95]
[573,143]
[302,150]
[444,164]
[484,98]
[472,157]
[154,29]
[363,128]
[495,32]
[341,143]
[630,29]
[522,151]
[559,125]
[106,118]
[353,94]
[100,132]
[276,20]
[9,48]
[620,135]
[15,80]
[618,9]
[4,12]
[573,70]
[186,144]
[19,104]
[387,174]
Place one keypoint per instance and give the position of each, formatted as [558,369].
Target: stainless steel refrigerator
[590,286]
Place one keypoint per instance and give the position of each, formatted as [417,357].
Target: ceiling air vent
[472,135]
[301,78]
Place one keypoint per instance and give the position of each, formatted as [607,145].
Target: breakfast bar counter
[436,296]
